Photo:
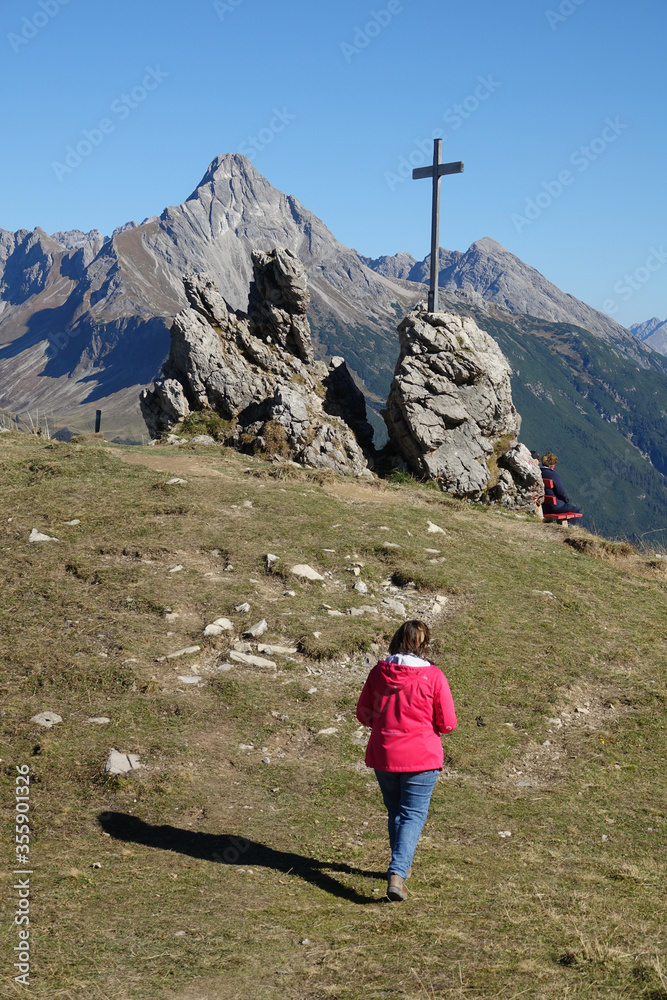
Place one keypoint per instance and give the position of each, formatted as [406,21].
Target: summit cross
[436,171]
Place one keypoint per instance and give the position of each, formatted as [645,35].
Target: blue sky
[557,108]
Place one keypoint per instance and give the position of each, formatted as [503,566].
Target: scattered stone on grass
[242,647]
[47,719]
[434,529]
[270,649]
[330,731]
[242,609]
[189,680]
[390,545]
[177,482]
[171,616]
[360,587]
[252,661]
[504,833]
[99,720]
[546,593]
[121,763]
[433,552]
[306,572]
[177,569]
[246,746]
[39,536]
[395,606]
[270,560]
[256,630]
[73,523]
[202,439]
[289,593]
[311,691]
[335,614]
[188,651]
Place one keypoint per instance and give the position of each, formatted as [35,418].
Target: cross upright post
[436,171]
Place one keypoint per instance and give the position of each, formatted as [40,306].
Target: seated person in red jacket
[408,705]
[556,500]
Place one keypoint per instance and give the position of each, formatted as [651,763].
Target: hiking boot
[395,888]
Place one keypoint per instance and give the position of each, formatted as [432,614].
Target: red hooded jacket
[408,705]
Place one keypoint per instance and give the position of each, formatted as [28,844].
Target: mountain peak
[225,168]
[488,245]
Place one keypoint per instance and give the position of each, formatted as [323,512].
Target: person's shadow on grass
[227,849]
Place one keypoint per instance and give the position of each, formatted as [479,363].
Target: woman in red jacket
[408,705]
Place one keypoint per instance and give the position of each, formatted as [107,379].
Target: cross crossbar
[443,169]
[436,171]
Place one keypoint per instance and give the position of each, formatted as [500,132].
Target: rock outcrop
[257,373]
[450,413]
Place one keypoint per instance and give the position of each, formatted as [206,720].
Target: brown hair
[412,637]
[549,458]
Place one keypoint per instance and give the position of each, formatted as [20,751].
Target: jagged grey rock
[450,405]
[278,302]
[257,373]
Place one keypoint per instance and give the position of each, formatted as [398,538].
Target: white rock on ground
[39,536]
[306,572]
[242,609]
[395,606]
[177,482]
[202,439]
[99,720]
[188,651]
[270,559]
[73,523]
[177,569]
[121,763]
[190,679]
[331,731]
[252,661]
[255,631]
[433,529]
[46,719]
[360,587]
[219,626]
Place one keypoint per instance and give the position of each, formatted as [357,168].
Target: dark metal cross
[437,171]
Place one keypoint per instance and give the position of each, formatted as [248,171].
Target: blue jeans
[406,795]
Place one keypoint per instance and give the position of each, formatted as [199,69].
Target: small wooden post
[98,421]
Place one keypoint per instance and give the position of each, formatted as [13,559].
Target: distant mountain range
[85,320]
[653,332]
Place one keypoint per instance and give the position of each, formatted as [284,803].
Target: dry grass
[250,858]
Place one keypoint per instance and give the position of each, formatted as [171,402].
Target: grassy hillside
[245,859]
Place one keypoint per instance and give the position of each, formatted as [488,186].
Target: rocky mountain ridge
[488,272]
[653,332]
